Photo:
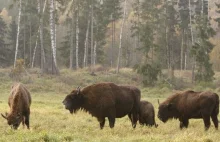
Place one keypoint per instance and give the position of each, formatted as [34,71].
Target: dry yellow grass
[50,122]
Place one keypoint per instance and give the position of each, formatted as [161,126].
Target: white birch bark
[77,38]
[30,42]
[86,45]
[181,51]
[34,54]
[72,35]
[120,44]
[192,40]
[18,32]
[92,25]
[71,44]
[52,33]
[112,41]
[94,54]
[43,60]
[39,28]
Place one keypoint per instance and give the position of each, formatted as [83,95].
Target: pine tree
[203,46]
[4,48]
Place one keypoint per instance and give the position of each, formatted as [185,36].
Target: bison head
[166,111]
[73,101]
[13,120]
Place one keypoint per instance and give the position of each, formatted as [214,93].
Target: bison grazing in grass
[105,100]
[19,102]
[147,114]
[190,104]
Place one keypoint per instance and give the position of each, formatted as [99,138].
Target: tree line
[146,35]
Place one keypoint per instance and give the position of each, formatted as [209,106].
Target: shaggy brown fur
[19,102]
[147,114]
[190,104]
[103,100]
[136,95]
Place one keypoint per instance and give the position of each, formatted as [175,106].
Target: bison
[190,104]
[19,102]
[135,93]
[147,114]
[105,100]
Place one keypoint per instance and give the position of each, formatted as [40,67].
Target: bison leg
[134,118]
[111,121]
[102,122]
[206,120]
[23,119]
[215,121]
[184,123]
[27,121]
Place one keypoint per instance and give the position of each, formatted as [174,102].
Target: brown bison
[135,93]
[19,102]
[104,100]
[147,114]
[190,104]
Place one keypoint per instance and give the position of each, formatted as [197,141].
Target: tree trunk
[43,60]
[186,50]
[52,35]
[181,50]
[72,36]
[71,43]
[94,54]
[40,30]
[34,54]
[92,22]
[30,44]
[120,44]
[111,62]
[86,45]
[18,32]
[77,38]
[192,40]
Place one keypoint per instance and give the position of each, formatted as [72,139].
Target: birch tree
[85,59]
[92,25]
[18,32]
[120,42]
[43,60]
[77,37]
[52,35]
[40,31]
[72,36]
[192,40]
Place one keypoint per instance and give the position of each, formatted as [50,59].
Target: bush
[16,73]
[149,73]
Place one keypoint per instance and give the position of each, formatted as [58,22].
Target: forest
[148,36]
[148,49]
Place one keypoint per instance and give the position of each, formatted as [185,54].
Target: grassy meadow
[50,122]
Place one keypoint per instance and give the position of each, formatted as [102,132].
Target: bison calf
[19,102]
[147,114]
[104,100]
[190,104]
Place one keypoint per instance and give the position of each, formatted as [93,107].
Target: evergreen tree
[4,49]
[203,46]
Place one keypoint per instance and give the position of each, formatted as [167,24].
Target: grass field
[50,122]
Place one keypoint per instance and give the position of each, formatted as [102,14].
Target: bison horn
[3,116]
[78,89]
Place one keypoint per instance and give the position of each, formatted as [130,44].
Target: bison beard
[105,100]
[19,102]
[190,104]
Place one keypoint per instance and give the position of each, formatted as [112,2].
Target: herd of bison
[109,100]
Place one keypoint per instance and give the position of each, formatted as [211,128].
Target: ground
[50,122]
